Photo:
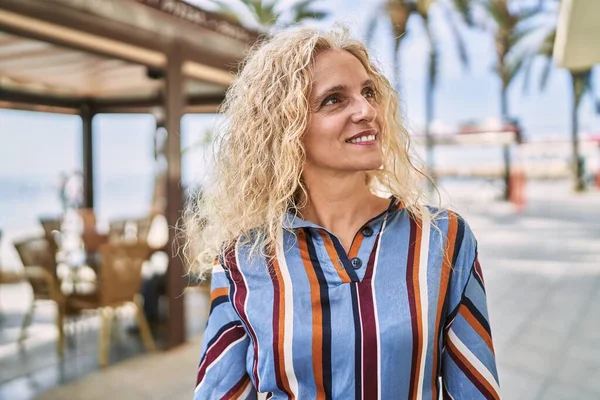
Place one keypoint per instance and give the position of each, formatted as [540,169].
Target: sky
[46,144]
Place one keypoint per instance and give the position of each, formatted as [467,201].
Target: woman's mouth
[363,139]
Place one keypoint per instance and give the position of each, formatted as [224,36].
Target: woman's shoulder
[450,224]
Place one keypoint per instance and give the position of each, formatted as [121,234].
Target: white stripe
[482,369]
[423,261]
[216,361]
[288,329]
[375,308]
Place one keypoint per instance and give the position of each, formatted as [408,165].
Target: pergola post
[87,117]
[174,107]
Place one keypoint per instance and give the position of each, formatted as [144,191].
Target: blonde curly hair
[259,153]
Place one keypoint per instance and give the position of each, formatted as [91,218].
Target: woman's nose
[363,110]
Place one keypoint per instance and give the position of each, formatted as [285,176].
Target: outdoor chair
[40,271]
[116,230]
[8,277]
[119,281]
[51,231]
[143,228]
[88,217]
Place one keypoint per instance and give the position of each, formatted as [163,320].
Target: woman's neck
[342,203]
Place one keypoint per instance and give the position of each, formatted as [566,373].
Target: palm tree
[506,21]
[398,13]
[580,82]
[267,14]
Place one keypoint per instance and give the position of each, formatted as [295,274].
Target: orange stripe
[445,274]
[281,329]
[317,317]
[240,391]
[476,325]
[356,243]
[333,256]
[473,370]
[224,291]
[417,295]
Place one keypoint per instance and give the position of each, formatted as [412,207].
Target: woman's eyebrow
[333,89]
[339,88]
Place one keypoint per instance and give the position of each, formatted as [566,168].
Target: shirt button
[356,262]
[367,231]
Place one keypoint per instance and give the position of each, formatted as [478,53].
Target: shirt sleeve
[468,359]
[222,368]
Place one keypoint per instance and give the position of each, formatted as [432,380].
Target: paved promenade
[542,271]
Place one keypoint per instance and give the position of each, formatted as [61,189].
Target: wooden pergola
[121,56]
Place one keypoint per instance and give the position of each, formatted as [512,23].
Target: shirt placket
[355,262]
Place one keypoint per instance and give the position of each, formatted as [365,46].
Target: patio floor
[27,373]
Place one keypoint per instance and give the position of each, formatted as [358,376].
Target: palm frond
[464,9]
[302,11]
[582,83]
[458,37]
[548,64]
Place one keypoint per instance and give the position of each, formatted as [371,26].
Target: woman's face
[343,135]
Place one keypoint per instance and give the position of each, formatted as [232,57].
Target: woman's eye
[369,93]
[331,100]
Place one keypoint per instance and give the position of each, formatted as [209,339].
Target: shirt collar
[293,221]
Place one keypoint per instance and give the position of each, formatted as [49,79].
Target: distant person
[334,280]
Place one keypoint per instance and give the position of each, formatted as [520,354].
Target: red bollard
[517,190]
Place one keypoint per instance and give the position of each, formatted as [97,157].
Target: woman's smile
[364,138]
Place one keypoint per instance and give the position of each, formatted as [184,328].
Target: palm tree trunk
[396,82]
[505,149]
[504,102]
[429,112]
[577,160]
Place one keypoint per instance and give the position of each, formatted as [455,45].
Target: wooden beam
[37,108]
[25,26]
[34,99]
[174,106]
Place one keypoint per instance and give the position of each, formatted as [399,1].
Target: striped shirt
[402,315]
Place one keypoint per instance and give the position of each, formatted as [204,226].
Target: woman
[324,287]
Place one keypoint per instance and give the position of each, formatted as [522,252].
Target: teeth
[367,138]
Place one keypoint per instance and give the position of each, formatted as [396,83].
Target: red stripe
[370,351]
[239,300]
[229,336]
[413,308]
[478,268]
[278,329]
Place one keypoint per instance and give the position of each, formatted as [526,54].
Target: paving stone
[563,391]
[518,385]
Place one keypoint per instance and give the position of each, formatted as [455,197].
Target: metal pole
[174,106]
[507,168]
[87,117]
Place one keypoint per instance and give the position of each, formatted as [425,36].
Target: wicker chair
[119,281]
[116,230]
[51,229]
[40,271]
[143,228]
[8,277]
